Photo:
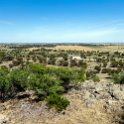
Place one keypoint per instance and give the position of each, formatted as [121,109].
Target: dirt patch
[92,104]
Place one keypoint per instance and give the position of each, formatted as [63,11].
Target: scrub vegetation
[51,73]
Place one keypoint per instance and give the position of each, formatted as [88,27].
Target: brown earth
[22,112]
[91,104]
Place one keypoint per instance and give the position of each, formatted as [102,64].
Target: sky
[61,21]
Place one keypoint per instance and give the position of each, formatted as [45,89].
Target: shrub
[114,63]
[37,68]
[90,74]
[60,103]
[97,68]
[19,79]
[82,64]
[66,76]
[81,75]
[96,79]
[52,60]
[79,78]
[118,78]
[105,63]
[16,63]
[73,63]
[45,85]
[9,58]
[106,70]
[2,56]
[63,63]
[48,83]
[5,84]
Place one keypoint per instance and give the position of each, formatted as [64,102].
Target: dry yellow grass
[82,48]
[88,48]
[113,48]
[71,47]
[32,49]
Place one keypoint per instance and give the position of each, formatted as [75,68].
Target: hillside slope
[92,103]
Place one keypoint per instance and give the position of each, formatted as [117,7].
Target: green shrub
[48,83]
[105,63]
[37,68]
[98,68]
[96,79]
[57,101]
[81,75]
[66,76]
[82,64]
[118,78]
[73,62]
[44,85]
[106,70]
[19,79]
[5,84]
[114,63]
[90,74]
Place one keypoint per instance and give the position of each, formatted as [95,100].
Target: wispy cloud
[44,34]
[51,33]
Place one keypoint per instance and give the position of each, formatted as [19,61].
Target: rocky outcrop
[112,95]
[109,95]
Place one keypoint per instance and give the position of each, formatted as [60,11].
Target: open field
[89,48]
[69,47]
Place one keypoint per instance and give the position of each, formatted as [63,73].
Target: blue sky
[62,21]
